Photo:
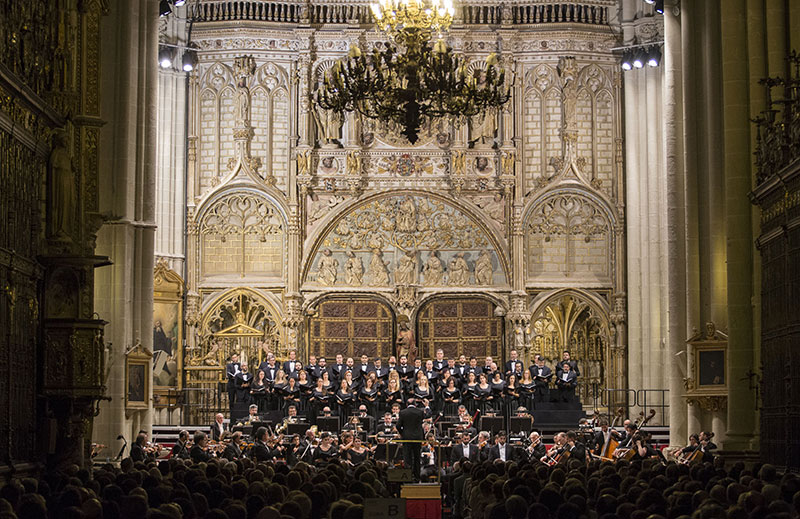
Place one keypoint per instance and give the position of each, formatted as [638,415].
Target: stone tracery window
[242,233]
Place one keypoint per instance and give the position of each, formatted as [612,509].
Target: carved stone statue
[378,273]
[406,345]
[433,270]
[329,125]
[242,102]
[459,270]
[327,269]
[407,215]
[484,273]
[322,206]
[487,130]
[62,188]
[353,163]
[406,269]
[353,270]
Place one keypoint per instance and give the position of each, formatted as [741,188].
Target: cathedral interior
[172,193]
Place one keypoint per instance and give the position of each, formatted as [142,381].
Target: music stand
[493,424]
[328,423]
[297,428]
[520,424]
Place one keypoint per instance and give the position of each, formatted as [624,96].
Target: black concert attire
[461,372]
[422,393]
[577,452]
[526,394]
[391,397]
[511,396]
[369,398]
[357,458]
[261,451]
[405,372]
[439,365]
[566,383]
[532,454]
[290,368]
[541,378]
[483,397]
[138,453]
[180,451]
[498,390]
[231,369]
[345,402]
[573,367]
[382,373]
[452,399]
[503,452]
[198,454]
[337,372]
[325,455]
[243,381]
[510,366]
[232,452]
[457,452]
[470,397]
[217,430]
[258,392]
[269,370]
[305,393]
[409,425]
[649,452]
[428,462]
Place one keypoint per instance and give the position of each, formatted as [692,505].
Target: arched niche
[569,234]
[460,325]
[576,321]
[351,326]
[242,233]
[406,238]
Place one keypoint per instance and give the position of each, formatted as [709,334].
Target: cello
[607,452]
[629,451]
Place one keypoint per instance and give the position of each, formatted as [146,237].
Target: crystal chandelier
[413,79]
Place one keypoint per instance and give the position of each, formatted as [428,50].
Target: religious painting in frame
[137,379]
[167,327]
[711,366]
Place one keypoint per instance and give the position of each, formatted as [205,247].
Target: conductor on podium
[409,425]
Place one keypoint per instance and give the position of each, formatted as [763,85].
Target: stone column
[124,291]
[676,211]
[738,159]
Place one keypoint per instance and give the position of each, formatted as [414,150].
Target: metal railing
[491,12]
[634,401]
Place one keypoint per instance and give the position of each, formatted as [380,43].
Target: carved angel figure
[459,270]
[378,272]
[433,270]
[327,269]
[62,192]
[484,273]
[353,270]
[407,215]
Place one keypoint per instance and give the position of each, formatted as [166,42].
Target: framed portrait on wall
[137,379]
[708,363]
[711,366]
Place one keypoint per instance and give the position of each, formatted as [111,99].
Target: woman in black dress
[356,454]
[452,397]
[327,384]
[291,395]
[326,450]
[470,393]
[392,394]
[422,389]
[258,389]
[344,400]
[368,395]
[320,397]
[483,394]
[511,395]
[526,390]
[498,390]
[305,386]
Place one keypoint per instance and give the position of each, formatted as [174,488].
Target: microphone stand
[122,450]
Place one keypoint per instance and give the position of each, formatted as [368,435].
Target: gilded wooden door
[352,327]
[459,326]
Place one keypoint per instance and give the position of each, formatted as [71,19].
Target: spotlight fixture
[627,61]
[189,60]
[638,59]
[654,57]
[179,3]
[659,6]
[164,8]
[651,2]
[165,57]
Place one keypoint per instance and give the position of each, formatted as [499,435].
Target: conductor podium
[423,500]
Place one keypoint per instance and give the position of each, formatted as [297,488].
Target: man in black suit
[231,370]
[409,425]
[439,363]
[290,366]
[381,371]
[269,367]
[198,452]
[233,451]
[533,452]
[137,449]
[473,368]
[261,451]
[431,373]
[218,428]
[577,451]
[511,363]
[573,365]
[461,368]
[179,450]
[337,370]
[320,368]
[501,450]
[243,380]
[541,375]
[465,449]
[363,369]
[566,382]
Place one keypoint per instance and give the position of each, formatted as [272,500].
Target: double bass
[629,451]
[607,452]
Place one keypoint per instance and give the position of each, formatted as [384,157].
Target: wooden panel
[352,327]
[459,326]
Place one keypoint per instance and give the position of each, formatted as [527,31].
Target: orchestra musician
[261,452]
[465,449]
[501,450]
[180,449]
[577,450]
[535,450]
[218,428]
[428,457]
[326,450]
[138,448]
[483,446]
[233,450]
[199,451]
[252,416]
